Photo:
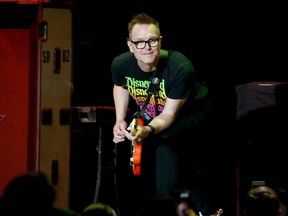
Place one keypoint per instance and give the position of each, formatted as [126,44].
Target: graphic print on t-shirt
[138,89]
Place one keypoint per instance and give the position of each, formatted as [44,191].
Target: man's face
[146,37]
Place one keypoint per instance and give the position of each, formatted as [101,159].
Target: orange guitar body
[137,159]
[137,153]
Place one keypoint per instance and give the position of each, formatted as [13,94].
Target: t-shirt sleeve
[182,84]
[119,68]
[117,72]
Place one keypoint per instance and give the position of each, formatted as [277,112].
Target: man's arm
[169,114]
[121,101]
[161,122]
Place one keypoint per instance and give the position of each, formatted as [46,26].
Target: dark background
[229,44]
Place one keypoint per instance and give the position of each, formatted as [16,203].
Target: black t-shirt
[177,81]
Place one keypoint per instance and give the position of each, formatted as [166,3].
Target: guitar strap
[154,82]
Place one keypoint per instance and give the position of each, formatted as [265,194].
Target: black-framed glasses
[153,42]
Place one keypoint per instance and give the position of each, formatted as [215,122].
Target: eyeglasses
[153,42]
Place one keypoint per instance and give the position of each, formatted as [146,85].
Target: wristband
[152,130]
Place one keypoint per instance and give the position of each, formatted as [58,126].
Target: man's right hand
[119,131]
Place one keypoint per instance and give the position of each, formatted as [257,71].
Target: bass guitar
[136,148]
